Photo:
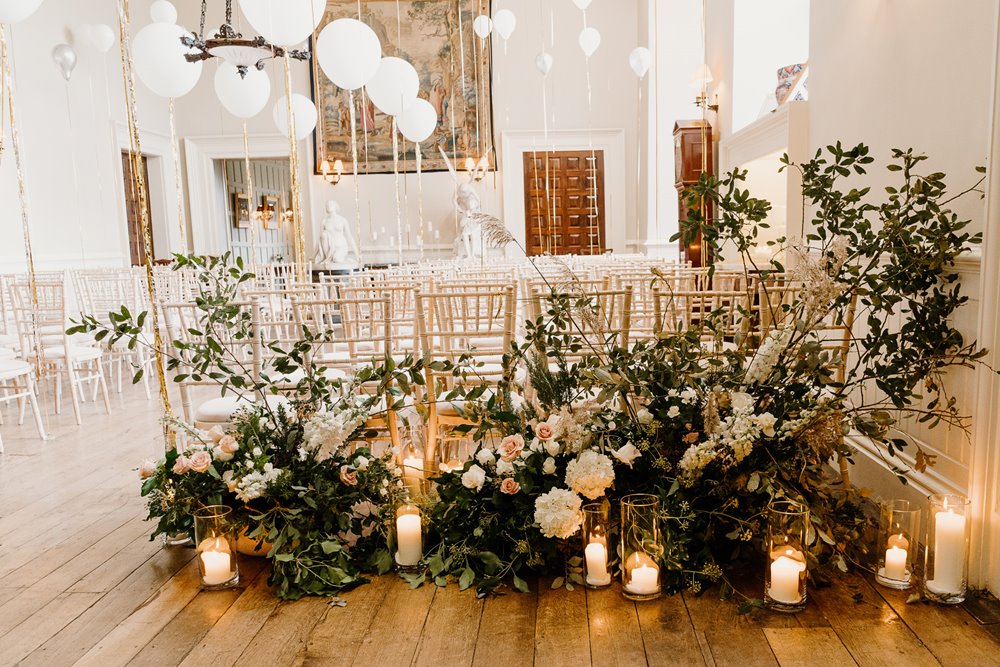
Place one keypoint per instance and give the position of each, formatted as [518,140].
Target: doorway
[564,202]
[133,219]
[257,225]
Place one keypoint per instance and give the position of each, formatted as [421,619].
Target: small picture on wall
[271,205]
[241,210]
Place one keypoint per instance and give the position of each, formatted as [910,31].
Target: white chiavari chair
[595,320]
[57,352]
[473,327]
[724,318]
[17,383]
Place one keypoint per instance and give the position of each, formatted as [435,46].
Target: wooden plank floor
[80,583]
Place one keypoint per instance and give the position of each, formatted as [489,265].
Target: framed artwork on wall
[455,70]
[241,210]
[271,205]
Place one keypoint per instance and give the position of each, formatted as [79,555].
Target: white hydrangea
[590,474]
[327,433]
[557,513]
[254,484]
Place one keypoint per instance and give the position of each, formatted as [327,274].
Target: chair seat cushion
[12,368]
[221,410]
[76,352]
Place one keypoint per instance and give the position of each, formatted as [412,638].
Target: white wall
[675,35]
[517,100]
[72,163]
[766,36]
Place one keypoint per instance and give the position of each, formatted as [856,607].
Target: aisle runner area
[81,582]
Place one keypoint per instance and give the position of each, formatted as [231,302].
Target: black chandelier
[233,48]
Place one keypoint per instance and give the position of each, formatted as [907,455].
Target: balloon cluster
[350,54]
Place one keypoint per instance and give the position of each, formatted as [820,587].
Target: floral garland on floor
[715,421]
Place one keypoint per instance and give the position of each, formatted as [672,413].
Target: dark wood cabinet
[693,156]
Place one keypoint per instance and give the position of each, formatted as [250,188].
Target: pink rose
[510,447]
[200,461]
[216,434]
[228,444]
[181,465]
[148,469]
[348,477]
[544,431]
[509,486]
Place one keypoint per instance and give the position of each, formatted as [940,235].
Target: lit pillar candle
[216,563]
[643,576]
[949,553]
[597,564]
[786,570]
[895,563]
[409,540]
[413,473]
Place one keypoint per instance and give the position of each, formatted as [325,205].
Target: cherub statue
[469,244]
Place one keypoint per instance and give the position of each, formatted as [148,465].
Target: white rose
[741,400]
[362,463]
[485,457]
[549,467]
[536,445]
[627,453]
[219,454]
[551,447]
[674,412]
[257,451]
[644,416]
[474,478]
[765,423]
[505,467]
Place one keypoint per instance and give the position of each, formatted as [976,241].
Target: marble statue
[336,244]
[471,238]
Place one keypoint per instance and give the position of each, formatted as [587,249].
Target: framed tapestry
[455,71]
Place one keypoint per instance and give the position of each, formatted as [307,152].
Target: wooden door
[564,202]
[137,248]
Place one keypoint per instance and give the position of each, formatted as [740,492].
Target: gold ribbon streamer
[22,193]
[175,154]
[420,200]
[253,223]
[139,182]
[395,171]
[354,166]
[293,161]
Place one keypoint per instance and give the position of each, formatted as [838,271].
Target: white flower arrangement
[325,434]
[557,513]
[590,474]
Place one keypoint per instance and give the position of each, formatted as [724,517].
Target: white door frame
[985,466]
[208,231]
[162,190]
[611,141]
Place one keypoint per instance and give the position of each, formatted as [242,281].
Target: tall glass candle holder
[785,574]
[596,544]
[409,538]
[946,548]
[213,533]
[640,546]
[899,528]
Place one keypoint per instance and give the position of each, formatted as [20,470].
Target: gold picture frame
[428,34]
[241,210]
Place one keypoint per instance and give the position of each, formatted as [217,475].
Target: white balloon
[418,120]
[504,21]
[304,112]
[582,4]
[543,61]
[349,53]
[163,11]
[246,96]
[394,85]
[14,11]
[590,39]
[482,26]
[639,60]
[101,37]
[284,22]
[83,34]
[159,60]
